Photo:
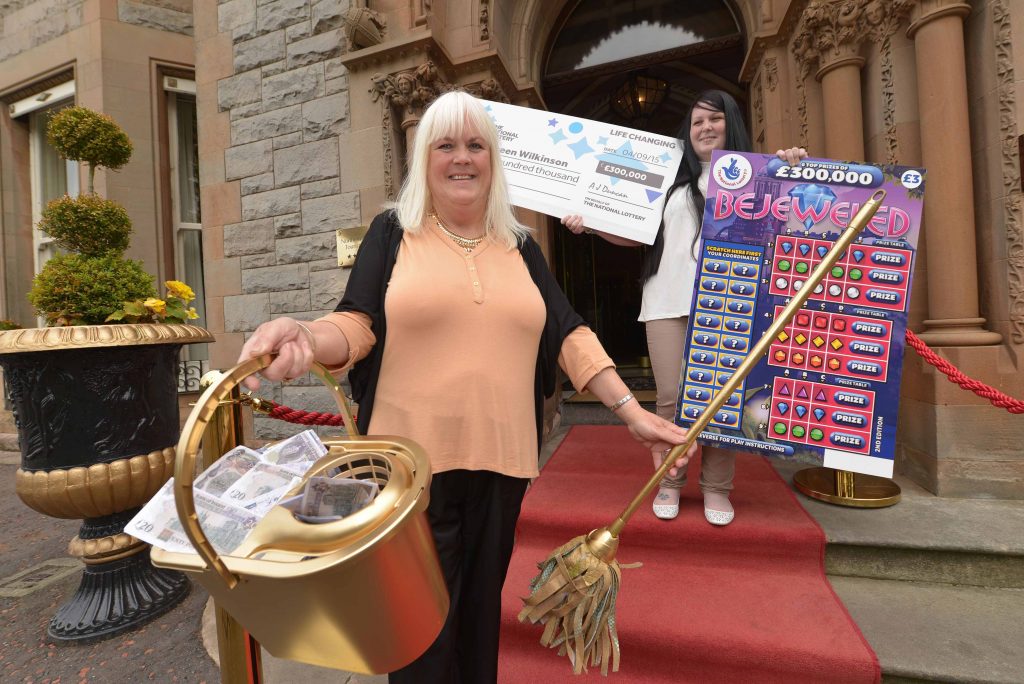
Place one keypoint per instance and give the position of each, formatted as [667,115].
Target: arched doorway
[638,64]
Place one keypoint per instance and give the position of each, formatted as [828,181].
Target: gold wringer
[364,593]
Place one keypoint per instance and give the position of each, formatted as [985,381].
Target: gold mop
[574,594]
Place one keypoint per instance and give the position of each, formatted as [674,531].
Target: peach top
[457,373]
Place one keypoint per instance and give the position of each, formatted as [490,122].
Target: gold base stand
[844,488]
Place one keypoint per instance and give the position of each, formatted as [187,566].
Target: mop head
[574,598]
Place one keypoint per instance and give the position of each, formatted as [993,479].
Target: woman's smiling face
[459,170]
[707,131]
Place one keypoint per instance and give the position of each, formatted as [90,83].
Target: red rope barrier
[996,397]
[305,417]
[954,374]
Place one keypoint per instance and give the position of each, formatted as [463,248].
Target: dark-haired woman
[714,122]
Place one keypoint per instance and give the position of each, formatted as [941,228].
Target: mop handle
[859,222]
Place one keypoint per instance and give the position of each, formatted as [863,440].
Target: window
[51,176]
[603,31]
[47,175]
[186,211]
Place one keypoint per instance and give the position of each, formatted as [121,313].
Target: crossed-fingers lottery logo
[732,171]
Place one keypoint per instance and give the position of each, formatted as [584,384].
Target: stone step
[969,568]
[9,441]
[7,422]
[925,632]
[922,538]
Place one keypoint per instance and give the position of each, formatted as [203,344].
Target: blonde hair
[448,117]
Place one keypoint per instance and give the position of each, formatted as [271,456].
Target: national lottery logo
[732,171]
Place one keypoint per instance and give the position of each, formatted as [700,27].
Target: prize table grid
[723,322]
[821,415]
[876,277]
[839,344]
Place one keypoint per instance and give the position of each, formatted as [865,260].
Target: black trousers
[473,518]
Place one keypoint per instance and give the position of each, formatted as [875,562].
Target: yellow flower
[176,288]
[157,306]
[192,315]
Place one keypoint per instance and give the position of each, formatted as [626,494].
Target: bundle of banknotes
[236,492]
[328,499]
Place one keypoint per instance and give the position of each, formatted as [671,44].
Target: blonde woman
[455,327]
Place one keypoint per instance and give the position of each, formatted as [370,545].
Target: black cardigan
[368,284]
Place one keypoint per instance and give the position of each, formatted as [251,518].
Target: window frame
[173,87]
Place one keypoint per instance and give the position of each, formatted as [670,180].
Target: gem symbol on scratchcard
[811,196]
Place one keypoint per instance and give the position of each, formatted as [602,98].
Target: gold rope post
[241,660]
[574,594]
[843,488]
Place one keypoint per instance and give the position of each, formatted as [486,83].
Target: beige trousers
[666,343]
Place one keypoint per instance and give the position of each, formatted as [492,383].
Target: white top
[669,292]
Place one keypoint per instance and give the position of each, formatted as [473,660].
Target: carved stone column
[410,93]
[836,28]
[938,33]
[809,108]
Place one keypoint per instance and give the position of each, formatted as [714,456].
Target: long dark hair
[736,139]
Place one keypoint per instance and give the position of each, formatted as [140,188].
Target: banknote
[325,499]
[225,526]
[297,453]
[227,470]
[261,505]
[262,479]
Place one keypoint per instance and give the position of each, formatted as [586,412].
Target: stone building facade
[306,107]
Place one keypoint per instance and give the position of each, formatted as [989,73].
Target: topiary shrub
[89,225]
[81,134]
[94,283]
[73,289]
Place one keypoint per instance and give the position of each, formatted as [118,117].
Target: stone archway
[593,56]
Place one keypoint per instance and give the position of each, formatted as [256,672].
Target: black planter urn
[97,414]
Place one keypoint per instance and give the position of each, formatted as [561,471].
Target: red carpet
[744,603]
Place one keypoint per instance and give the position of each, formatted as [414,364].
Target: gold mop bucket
[364,593]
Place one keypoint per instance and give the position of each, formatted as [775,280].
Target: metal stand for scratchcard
[844,488]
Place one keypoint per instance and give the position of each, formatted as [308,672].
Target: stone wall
[287,99]
[164,15]
[24,24]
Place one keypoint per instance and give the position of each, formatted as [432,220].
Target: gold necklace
[468,244]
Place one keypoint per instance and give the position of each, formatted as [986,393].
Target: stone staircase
[936,585]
